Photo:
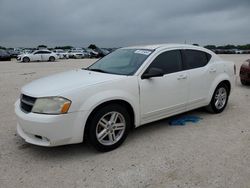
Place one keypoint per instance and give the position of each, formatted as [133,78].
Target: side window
[38,52]
[169,62]
[46,52]
[195,58]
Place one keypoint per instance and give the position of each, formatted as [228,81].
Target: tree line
[229,47]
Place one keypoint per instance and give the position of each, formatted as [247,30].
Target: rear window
[195,58]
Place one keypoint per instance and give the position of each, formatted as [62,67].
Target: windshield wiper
[98,70]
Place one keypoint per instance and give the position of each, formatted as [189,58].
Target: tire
[52,59]
[26,59]
[109,127]
[219,100]
[244,82]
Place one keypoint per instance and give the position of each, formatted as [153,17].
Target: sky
[116,23]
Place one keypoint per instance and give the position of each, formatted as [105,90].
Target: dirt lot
[212,153]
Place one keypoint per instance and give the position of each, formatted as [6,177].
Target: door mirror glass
[152,72]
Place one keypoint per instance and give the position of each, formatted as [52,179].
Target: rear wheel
[52,59]
[109,127]
[26,59]
[219,99]
[244,82]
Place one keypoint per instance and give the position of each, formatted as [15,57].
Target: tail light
[234,70]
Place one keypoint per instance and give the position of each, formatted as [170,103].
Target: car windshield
[121,61]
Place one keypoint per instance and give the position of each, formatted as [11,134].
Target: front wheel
[109,127]
[219,99]
[26,59]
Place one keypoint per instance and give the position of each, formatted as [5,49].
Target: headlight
[51,105]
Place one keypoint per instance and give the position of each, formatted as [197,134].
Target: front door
[164,96]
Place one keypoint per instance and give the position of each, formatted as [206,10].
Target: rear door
[167,95]
[37,56]
[45,55]
[201,75]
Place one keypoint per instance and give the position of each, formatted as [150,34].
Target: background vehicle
[98,52]
[14,53]
[76,54]
[61,54]
[245,73]
[38,55]
[4,55]
[127,88]
[92,53]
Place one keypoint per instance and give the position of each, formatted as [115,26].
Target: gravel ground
[214,152]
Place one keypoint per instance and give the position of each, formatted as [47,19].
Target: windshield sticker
[143,52]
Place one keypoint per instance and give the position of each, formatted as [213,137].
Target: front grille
[27,103]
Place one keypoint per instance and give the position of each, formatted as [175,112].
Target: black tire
[212,107]
[94,125]
[26,59]
[244,82]
[52,59]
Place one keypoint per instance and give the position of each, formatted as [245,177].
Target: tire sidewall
[94,121]
[28,59]
[212,104]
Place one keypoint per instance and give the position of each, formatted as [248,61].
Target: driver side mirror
[152,72]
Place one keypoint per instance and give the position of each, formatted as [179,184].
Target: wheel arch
[52,56]
[228,84]
[219,80]
[121,102]
[25,57]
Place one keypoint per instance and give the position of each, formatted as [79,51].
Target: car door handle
[212,70]
[182,77]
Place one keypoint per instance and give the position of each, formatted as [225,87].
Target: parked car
[4,55]
[127,88]
[61,54]
[245,73]
[98,52]
[76,54]
[92,53]
[13,53]
[38,55]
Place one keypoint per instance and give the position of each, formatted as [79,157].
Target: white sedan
[38,55]
[125,89]
[61,54]
[77,54]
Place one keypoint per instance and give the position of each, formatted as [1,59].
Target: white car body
[61,54]
[150,101]
[77,54]
[38,55]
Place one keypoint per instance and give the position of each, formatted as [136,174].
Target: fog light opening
[41,138]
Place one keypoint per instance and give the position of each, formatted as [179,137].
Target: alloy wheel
[220,98]
[110,128]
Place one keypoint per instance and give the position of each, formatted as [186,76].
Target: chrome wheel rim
[220,98]
[110,128]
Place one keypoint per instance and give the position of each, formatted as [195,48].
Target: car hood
[57,84]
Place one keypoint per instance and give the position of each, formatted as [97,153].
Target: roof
[156,46]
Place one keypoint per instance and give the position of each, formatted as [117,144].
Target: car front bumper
[50,130]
